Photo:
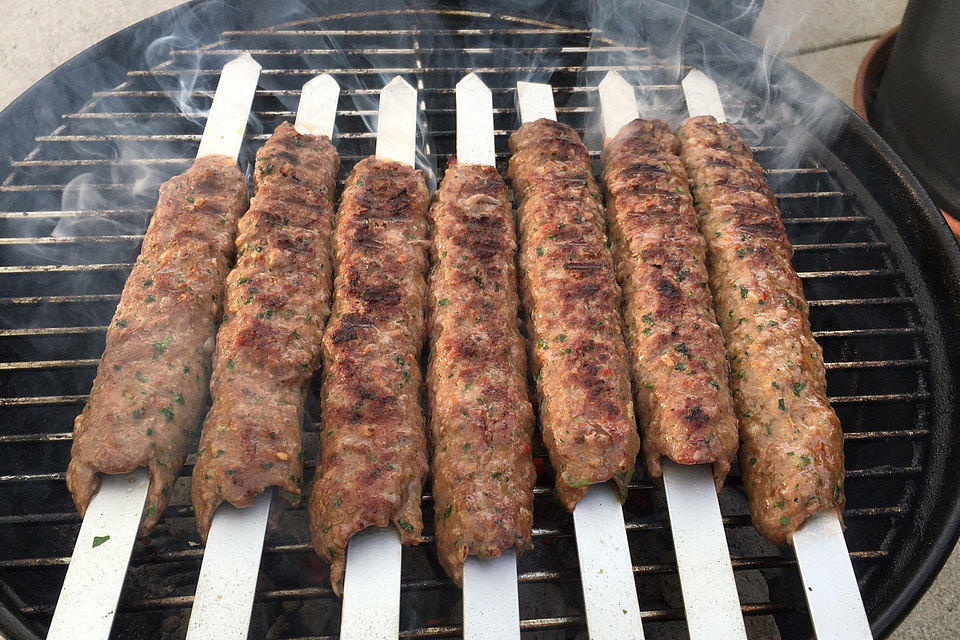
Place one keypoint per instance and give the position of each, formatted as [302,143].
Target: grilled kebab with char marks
[481,418]
[151,385]
[572,299]
[373,450]
[791,452]
[680,373]
[277,302]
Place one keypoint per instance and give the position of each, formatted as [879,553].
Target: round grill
[84,158]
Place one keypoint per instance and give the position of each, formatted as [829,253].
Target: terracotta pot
[865,90]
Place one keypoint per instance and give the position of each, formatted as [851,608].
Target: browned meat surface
[151,385]
[791,451]
[572,299]
[481,419]
[680,372]
[277,302]
[373,456]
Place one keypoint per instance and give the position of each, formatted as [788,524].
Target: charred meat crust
[791,452]
[572,299]
[373,455]
[277,302]
[481,418]
[151,386]
[680,372]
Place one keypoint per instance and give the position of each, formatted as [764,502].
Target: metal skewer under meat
[679,368]
[572,299]
[480,414]
[373,443]
[277,302]
[791,452]
[151,385]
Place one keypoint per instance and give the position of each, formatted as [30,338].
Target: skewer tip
[398,86]
[475,133]
[397,122]
[472,82]
[702,95]
[535,101]
[244,60]
[317,110]
[618,103]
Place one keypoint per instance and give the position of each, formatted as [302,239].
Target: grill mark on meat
[277,302]
[480,414]
[791,451]
[571,297]
[373,455]
[151,385]
[677,357]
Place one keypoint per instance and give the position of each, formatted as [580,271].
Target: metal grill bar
[30,365]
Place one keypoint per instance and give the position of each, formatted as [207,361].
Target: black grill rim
[920,239]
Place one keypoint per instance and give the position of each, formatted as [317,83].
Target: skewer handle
[371,586]
[91,589]
[830,585]
[228,576]
[491,604]
[709,589]
[606,570]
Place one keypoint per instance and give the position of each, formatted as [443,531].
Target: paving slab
[799,26]
[39,35]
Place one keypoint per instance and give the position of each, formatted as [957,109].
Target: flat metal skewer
[225,592]
[371,583]
[91,588]
[830,585]
[709,589]
[606,570]
[491,602]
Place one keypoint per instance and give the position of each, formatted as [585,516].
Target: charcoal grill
[85,149]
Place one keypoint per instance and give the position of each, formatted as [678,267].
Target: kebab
[677,357]
[481,419]
[791,453]
[577,352]
[277,303]
[373,443]
[151,386]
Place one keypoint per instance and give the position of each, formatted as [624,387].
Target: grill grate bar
[324,33]
[111,297]
[874,472]
[71,213]
[72,363]
[819,335]
[231,53]
[120,266]
[379,71]
[664,568]
[276,93]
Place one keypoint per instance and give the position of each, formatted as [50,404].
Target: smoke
[147,130]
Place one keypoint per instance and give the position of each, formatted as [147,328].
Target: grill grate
[72,215]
